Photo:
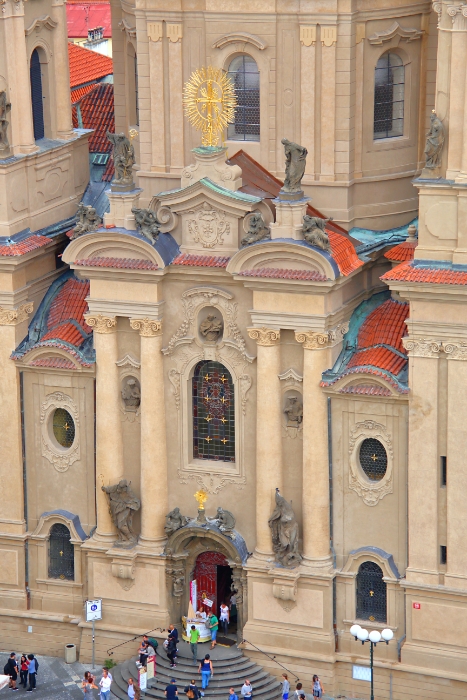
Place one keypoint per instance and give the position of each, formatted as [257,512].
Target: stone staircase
[230,670]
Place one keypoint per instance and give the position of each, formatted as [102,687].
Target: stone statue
[211,327]
[225,521]
[284,530]
[88,220]
[314,232]
[257,230]
[295,163]
[124,159]
[294,412]
[174,521]
[147,223]
[131,394]
[179,584]
[122,504]
[434,143]
[4,109]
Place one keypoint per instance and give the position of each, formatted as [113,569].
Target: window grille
[36,96]
[371,593]
[61,553]
[389,97]
[373,459]
[213,413]
[245,76]
[63,427]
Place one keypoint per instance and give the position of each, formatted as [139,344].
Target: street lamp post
[373,638]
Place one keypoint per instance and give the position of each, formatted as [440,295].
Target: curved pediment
[110,246]
[284,259]
[242,37]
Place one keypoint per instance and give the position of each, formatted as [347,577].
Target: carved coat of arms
[208,226]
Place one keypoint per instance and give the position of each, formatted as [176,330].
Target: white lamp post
[373,638]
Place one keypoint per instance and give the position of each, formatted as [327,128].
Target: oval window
[63,427]
[373,459]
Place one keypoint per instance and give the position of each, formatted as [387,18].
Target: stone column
[268,433]
[308,94]
[61,74]
[154,498]
[456,569]
[177,155]
[109,440]
[328,102]
[315,493]
[157,99]
[423,470]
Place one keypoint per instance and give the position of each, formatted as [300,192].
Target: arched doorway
[214,578]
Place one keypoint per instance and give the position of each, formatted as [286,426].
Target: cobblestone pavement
[56,680]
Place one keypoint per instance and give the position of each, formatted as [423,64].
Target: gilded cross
[209,102]
[372,593]
[61,554]
[374,458]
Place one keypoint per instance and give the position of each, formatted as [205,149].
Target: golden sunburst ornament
[209,100]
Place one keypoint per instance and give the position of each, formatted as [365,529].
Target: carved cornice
[101,324]
[243,37]
[265,336]
[395,29]
[44,21]
[11,317]
[422,347]
[318,341]
[146,327]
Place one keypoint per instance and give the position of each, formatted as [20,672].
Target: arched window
[61,553]
[371,593]
[37,97]
[389,97]
[213,412]
[245,76]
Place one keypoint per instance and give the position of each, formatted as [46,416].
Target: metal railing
[273,658]
[138,636]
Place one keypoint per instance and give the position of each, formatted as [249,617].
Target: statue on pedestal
[122,504]
[314,232]
[4,109]
[257,230]
[284,531]
[88,220]
[174,521]
[434,142]
[294,412]
[295,163]
[211,327]
[225,521]
[124,159]
[147,223]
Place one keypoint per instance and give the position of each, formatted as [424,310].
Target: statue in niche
[295,163]
[174,521]
[257,231]
[314,232]
[178,584]
[294,412]
[122,504]
[147,223]
[434,142]
[88,220]
[211,327]
[284,531]
[131,394]
[225,521]
[4,109]
[124,159]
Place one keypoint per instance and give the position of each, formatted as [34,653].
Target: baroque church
[248,372]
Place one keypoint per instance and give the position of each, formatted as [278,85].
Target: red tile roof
[97,112]
[119,263]
[67,332]
[384,358]
[366,390]
[53,362]
[285,274]
[109,171]
[77,94]
[87,66]
[200,260]
[412,272]
[25,246]
[343,253]
[69,304]
[402,252]
[82,16]
[385,326]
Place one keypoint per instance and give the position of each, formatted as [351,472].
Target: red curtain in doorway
[206,575]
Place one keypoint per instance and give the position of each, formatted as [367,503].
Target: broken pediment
[395,29]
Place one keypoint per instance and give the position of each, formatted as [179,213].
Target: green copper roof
[238,196]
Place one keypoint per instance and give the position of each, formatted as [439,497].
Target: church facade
[250,371]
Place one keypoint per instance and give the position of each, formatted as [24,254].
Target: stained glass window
[389,97]
[245,76]
[213,413]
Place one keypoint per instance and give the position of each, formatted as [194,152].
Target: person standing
[298,691]
[23,671]
[213,626]
[194,637]
[171,651]
[32,671]
[247,690]
[134,691]
[191,691]
[206,670]
[11,669]
[171,691]
[88,685]
[317,688]
[224,618]
[285,687]
[104,684]
[233,695]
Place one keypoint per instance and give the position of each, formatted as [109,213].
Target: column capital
[455,350]
[101,324]
[422,347]
[265,336]
[147,327]
[313,340]
[11,317]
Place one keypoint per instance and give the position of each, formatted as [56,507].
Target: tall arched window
[61,553]
[245,75]
[213,412]
[371,593]
[389,97]
[37,97]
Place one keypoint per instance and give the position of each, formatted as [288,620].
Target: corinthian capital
[11,317]
[421,347]
[146,326]
[101,324]
[318,340]
[264,336]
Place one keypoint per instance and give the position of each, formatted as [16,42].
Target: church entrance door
[213,581]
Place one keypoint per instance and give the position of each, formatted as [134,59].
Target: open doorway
[213,577]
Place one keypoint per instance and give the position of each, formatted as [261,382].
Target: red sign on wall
[417,606]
